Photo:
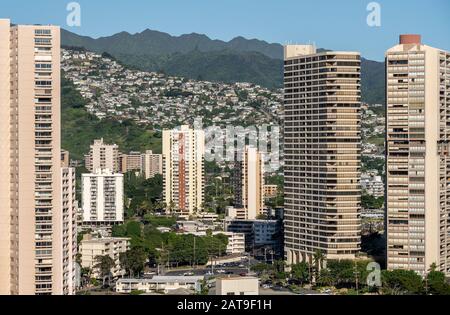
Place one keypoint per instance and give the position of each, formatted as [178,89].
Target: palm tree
[318,259]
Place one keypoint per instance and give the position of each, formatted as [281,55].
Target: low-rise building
[237,286]
[91,247]
[163,284]
[236,241]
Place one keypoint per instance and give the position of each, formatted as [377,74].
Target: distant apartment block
[91,248]
[32,238]
[183,170]
[249,182]
[418,156]
[130,162]
[102,156]
[270,191]
[102,198]
[373,185]
[322,147]
[151,164]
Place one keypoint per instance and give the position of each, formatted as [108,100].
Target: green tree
[104,264]
[435,282]
[401,282]
[133,261]
[300,272]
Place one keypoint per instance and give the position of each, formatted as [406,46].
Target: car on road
[243,274]
[190,273]
[241,266]
[209,273]
[221,271]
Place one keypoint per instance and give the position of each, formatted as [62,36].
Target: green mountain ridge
[196,56]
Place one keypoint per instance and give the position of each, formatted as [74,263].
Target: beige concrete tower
[183,169]
[31,233]
[151,164]
[418,163]
[102,156]
[249,183]
[322,145]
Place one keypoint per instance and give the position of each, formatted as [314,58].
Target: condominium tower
[418,156]
[102,198]
[31,228]
[249,182]
[322,145]
[183,169]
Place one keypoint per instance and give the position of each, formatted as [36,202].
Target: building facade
[249,182]
[31,235]
[183,170]
[90,248]
[151,164]
[322,147]
[102,156]
[418,163]
[102,198]
[69,208]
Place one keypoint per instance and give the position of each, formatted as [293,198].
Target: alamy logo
[374,17]
[74,16]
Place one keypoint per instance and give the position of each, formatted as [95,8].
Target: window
[42,32]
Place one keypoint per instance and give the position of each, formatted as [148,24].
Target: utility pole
[194,251]
[356,278]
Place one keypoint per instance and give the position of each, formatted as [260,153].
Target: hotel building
[322,147]
[418,156]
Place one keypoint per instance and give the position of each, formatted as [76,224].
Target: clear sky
[331,24]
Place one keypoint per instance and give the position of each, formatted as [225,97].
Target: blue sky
[332,24]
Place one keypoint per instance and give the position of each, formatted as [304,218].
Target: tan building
[69,229]
[31,230]
[418,163]
[249,182]
[183,170]
[151,164]
[130,162]
[90,248]
[237,286]
[270,191]
[65,158]
[102,156]
[322,147]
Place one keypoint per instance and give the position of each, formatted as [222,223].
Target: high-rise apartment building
[151,164]
[102,198]
[183,169]
[102,156]
[322,147]
[31,229]
[69,207]
[249,182]
[418,156]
